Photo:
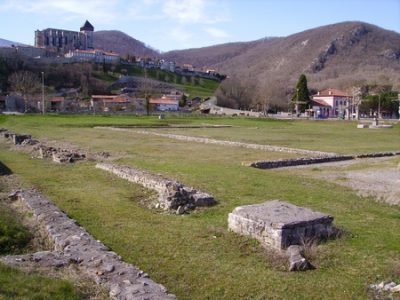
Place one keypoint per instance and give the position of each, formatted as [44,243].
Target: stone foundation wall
[238,144]
[227,143]
[281,163]
[41,150]
[74,245]
[172,194]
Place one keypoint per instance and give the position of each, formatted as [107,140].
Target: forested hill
[338,55]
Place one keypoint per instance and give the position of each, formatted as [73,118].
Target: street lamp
[43,106]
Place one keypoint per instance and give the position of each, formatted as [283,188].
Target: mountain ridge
[7,43]
[121,43]
[337,55]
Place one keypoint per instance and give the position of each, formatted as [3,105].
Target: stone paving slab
[279,224]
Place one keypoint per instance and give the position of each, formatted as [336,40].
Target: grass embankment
[15,239]
[195,255]
[191,85]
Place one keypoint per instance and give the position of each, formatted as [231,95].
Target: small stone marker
[279,224]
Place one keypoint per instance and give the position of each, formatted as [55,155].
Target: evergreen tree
[301,98]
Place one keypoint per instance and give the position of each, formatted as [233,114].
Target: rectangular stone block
[279,224]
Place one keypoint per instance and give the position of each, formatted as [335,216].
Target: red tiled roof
[331,92]
[57,99]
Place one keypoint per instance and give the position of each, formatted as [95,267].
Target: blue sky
[178,24]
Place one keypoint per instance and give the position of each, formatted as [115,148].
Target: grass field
[195,256]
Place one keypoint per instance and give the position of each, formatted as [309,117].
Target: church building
[62,41]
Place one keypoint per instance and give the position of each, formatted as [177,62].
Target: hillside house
[166,103]
[330,103]
[109,103]
[57,103]
[93,56]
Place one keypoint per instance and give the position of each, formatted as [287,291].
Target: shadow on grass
[4,170]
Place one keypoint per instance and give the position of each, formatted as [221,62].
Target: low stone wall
[172,194]
[74,245]
[227,143]
[272,164]
[292,162]
[238,144]
[377,154]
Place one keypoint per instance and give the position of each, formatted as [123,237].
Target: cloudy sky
[177,24]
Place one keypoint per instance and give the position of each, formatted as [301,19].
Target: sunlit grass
[195,255]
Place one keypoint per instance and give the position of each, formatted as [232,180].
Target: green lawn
[195,255]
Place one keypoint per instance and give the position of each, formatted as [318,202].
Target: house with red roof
[330,103]
[110,102]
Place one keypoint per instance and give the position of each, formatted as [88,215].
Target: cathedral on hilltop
[60,40]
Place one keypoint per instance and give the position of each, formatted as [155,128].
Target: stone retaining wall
[74,245]
[172,194]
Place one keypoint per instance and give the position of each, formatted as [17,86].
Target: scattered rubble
[385,290]
[74,245]
[297,262]
[173,195]
[57,154]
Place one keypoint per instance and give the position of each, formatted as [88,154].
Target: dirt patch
[382,184]
[373,177]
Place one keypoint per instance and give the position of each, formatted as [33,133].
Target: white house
[166,103]
[93,55]
[330,103]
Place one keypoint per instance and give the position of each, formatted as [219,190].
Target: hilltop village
[72,75]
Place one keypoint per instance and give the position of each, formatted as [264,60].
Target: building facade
[60,40]
[98,56]
[330,103]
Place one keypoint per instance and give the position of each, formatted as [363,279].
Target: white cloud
[98,11]
[216,33]
[194,11]
[187,11]
[180,35]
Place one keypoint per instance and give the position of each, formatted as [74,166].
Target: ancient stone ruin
[279,225]
[74,245]
[292,162]
[57,154]
[172,195]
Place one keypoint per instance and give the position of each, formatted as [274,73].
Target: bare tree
[356,92]
[24,83]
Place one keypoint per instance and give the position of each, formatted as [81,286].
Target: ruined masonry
[172,194]
[74,245]
[279,224]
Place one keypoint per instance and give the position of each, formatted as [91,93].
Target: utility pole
[398,98]
[43,104]
[379,106]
